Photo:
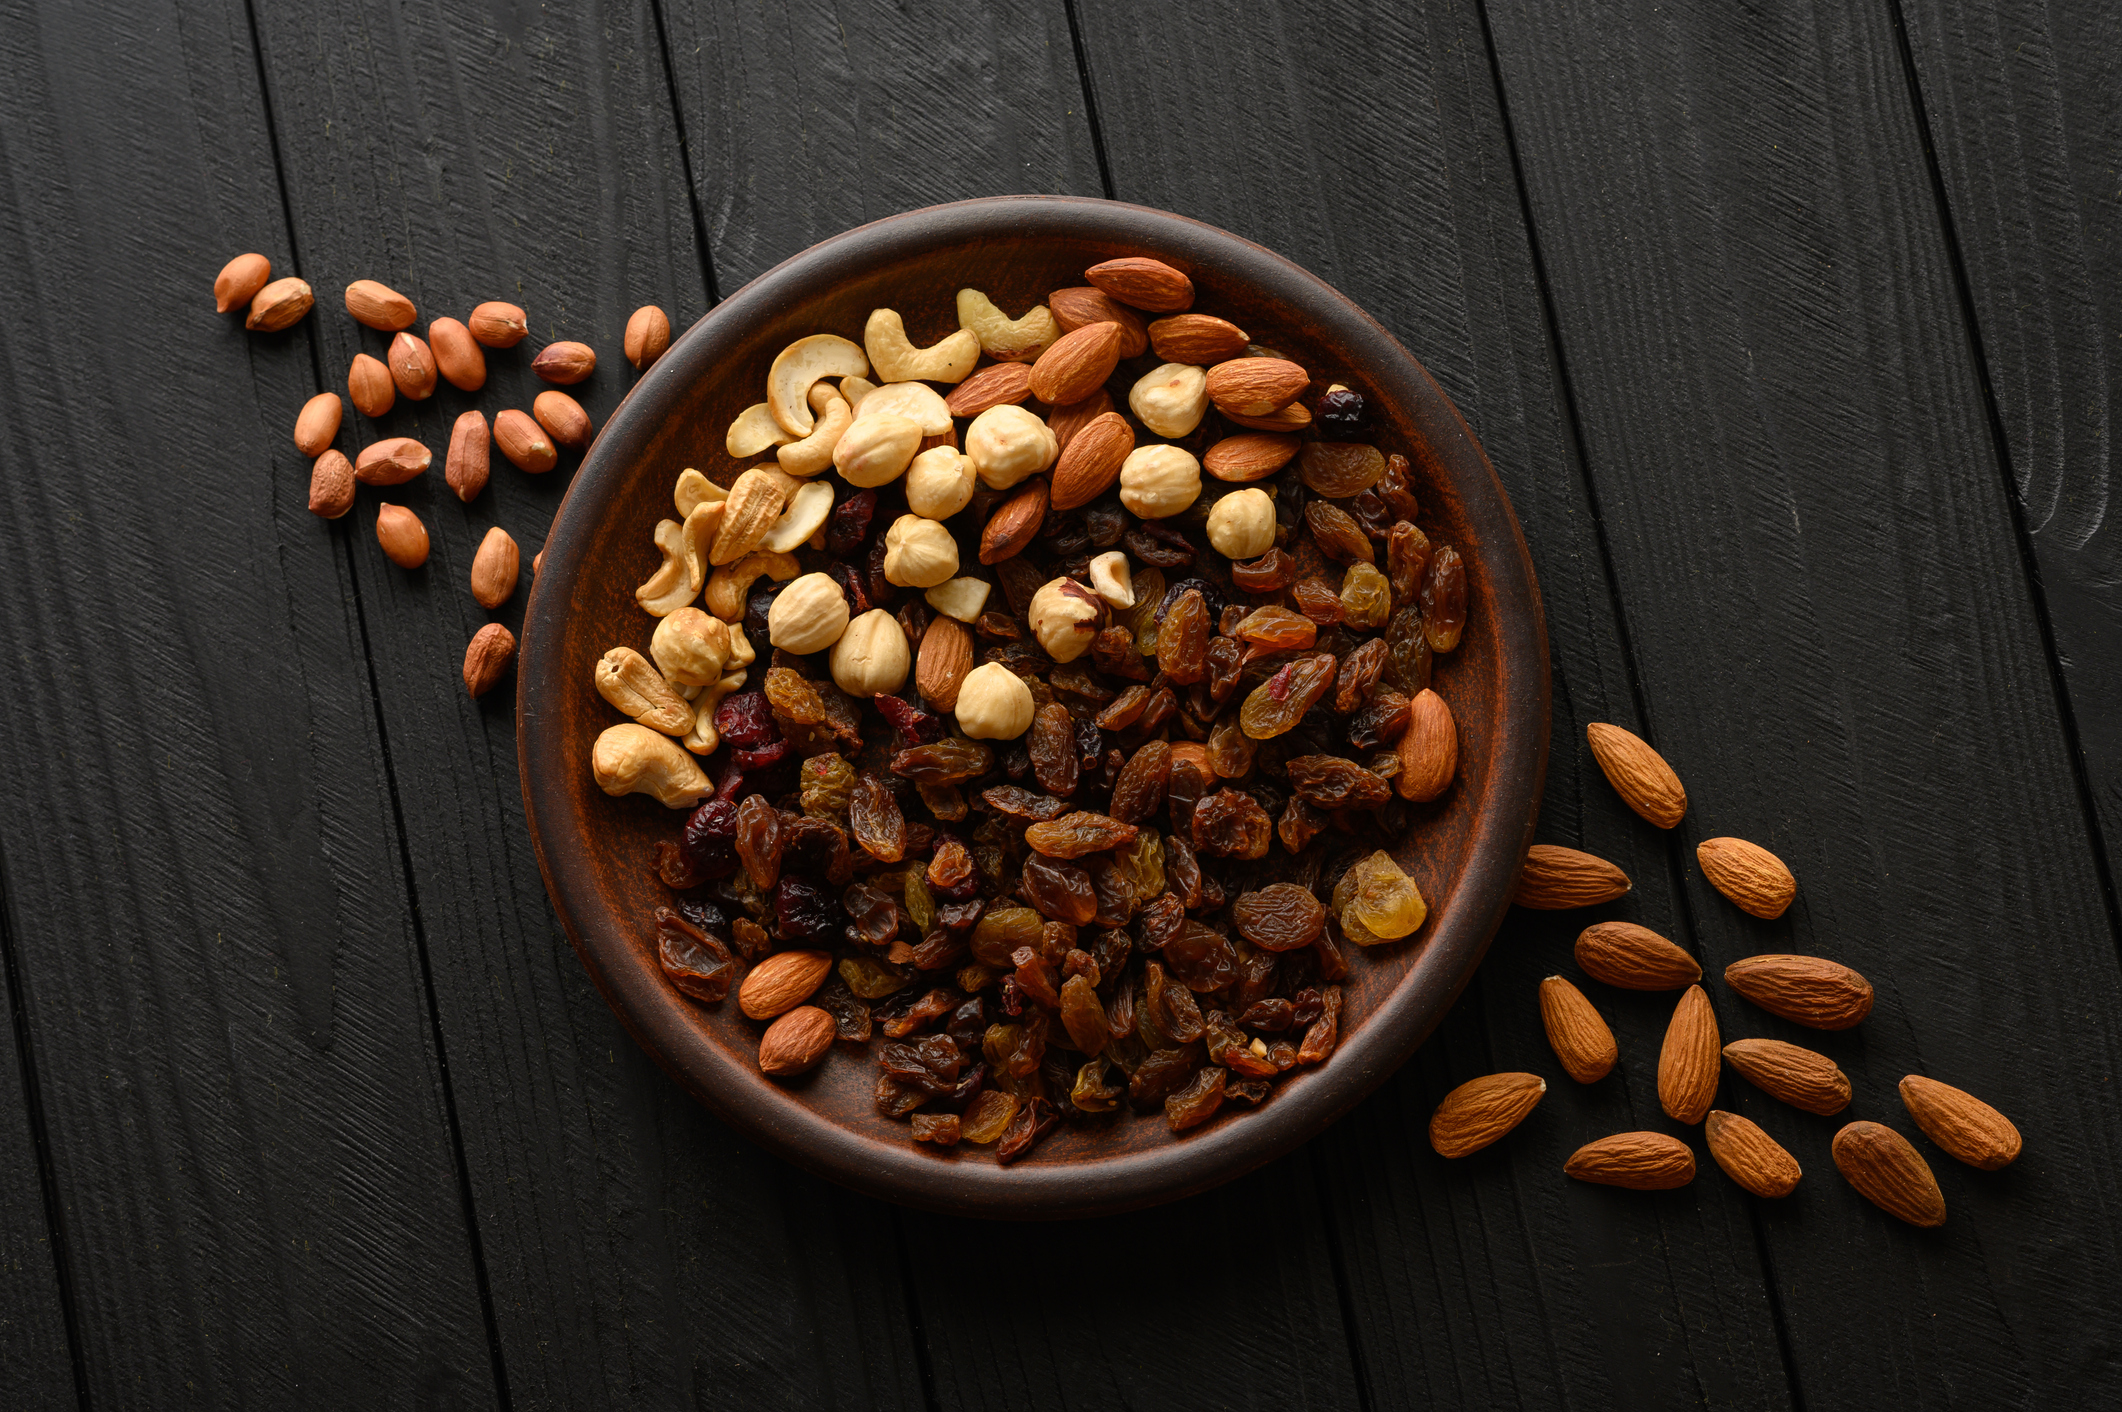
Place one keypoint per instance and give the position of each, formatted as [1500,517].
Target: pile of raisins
[1095,919]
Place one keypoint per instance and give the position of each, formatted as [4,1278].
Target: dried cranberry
[745,720]
[711,838]
[730,783]
[805,913]
[849,525]
[851,587]
[915,726]
[1342,415]
[771,753]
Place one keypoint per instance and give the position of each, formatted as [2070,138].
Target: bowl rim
[1309,1102]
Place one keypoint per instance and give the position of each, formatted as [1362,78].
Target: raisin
[1159,546]
[998,627]
[754,762]
[1278,703]
[1338,536]
[1162,703]
[1034,978]
[1331,782]
[1139,793]
[913,618]
[881,589]
[1231,824]
[1196,1103]
[928,1065]
[1273,629]
[758,840]
[1034,1120]
[945,762]
[758,610]
[1406,561]
[1003,932]
[1272,1015]
[1378,901]
[938,1128]
[749,938]
[1371,515]
[1325,1032]
[1020,803]
[806,914]
[849,524]
[1279,917]
[851,1019]
[1380,723]
[696,963]
[674,867]
[1083,1015]
[1233,1048]
[1338,471]
[1270,573]
[873,817]
[1163,1073]
[1059,890]
[1125,710]
[1161,920]
[828,785]
[1090,1093]
[1341,414]
[1318,600]
[1396,489]
[1141,866]
[1020,579]
[988,1116]
[914,725]
[1407,652]
[1230,751]
[1077,834]
[1182,639]
[1113,652]
[1201,958]
[1366,597]
[710,839]
[1226,656]
[1104,523]
[1183,791]
[1148,586]
[871,978]
[1360,671]
[1052,743]
[896,1100]
[1444,599]
[873,918]
[943,800]
[950,871]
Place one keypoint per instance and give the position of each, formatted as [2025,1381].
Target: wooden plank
[35,1346]
[879,111]
[1817,564]
[1490,1281]
[243,1105]
[638,1253]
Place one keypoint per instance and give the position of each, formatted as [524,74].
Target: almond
[1066,422]
[393,461]
[1821,995]
[1479,1111]
[563,419]
[495,569]
[1295,417]
[1256,387]
[1077,365]
[1580,1038]
[1638,774]
[1799,1077]
[1252,456]
[369,386]
[412,365]
[796,1042]
[1752,877]
[1749,1156]
[1634,958]
[997,385]
[239,281]
[331,485]
[1429,748]
[458,356]
[1687,1065]
[1556,878]
[1083,306]
[403,537]
[565,363]
[1143,283]
[1199,339]
[1961,1123]
[1015,523]
[486,659]
[318,423]
[647,336]
[379,306]
[1888,1172]
[782,981]
[1090,462]
[945,659]
[464,466]
[1638,1161]
[279,305]
[498,325]
[524,442]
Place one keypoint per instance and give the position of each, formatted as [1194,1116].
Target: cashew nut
[754,431]
[788,382]
[815,452]
[805,515]
[731,584]
[703,737]
[677,582]
[963,598]
[740,648]
[1004,339]
[636,689]
[916,401]
[854,389]
[632,759]
[702,526]
[897,359]
[694,490]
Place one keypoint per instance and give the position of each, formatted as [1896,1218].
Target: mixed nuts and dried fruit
[1016,751]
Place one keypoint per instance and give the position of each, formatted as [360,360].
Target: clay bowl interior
[596,851]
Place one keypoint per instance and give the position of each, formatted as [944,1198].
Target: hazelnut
[960,598]
[809,614]
[1156,481]
[876,447]
[1114,581]
[939,483]
[918,553]
[690,647]
[871,657]
[1172,399]
[1065,617]
[1242,525]
[994,703]
[1007,443]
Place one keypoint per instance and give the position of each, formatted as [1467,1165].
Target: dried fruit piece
[1480,1111]
[1332,782]
[1637,1161]
[1406,561]
[1634,958]
[1821,995]
[1687,1065]
[1579,1035]
[1278,917]
[1444,599]
[1139,792]
[1408,655]
[1338,537]
[1961,1123]
[1638,774]
[1278,703]
[1799,1077]
[1888,1172]
[1339,470]
[1182,640]
[1381,902]
[1750,1156]
[758,841]
[1557,878]
[1752,877]
[1231,824]
[1196,1103]
[1366,597]
[875,820]
[1075,835]
[988,1116]
[1052,744]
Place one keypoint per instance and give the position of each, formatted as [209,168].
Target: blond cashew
[740,648]
[702,527]
[897,360]
[677,582]
[854,390]
[802,363]
[632,759]
[1004,339]
[804,517]
[637,689]
[916,401]
[694,490]
[731,584]
[703,737]
[755,430]
[815,452]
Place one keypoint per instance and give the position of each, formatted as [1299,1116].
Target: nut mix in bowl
[1039,749]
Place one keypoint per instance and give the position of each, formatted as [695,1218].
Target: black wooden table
[1795,331]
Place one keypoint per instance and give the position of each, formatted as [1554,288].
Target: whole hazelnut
[1242,525]
[809,614]
[875,448]
[1113,579]
[1006,444]
[1156,481]
[939,483]
[690,647]
[871,657]
[1065,617]
[1172,399]
[994,703]
[918,553]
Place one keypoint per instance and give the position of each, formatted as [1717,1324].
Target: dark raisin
[873,817]
[674,867]
[711,839]
[852,587]
[805,913]
[1331,782]
[1230,824]
[1396,488]
[696,963]
[1058,889]
[1052,743]
[758,840]
[1444,599]
[1023,804]
[1341,414]
[1182,640]
[1278,917]
[1201,958]
[1139,793]
[1270,573]
[1159,546]
[849,524]
[756,609]
[1337,535]
[1126,709]
[914,725]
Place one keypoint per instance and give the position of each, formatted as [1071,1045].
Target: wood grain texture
[1818,569]
[34,1346]
[1489,1281]
[638,1254]
[256,1183]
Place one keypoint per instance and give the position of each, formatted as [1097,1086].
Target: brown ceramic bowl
[595,850]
